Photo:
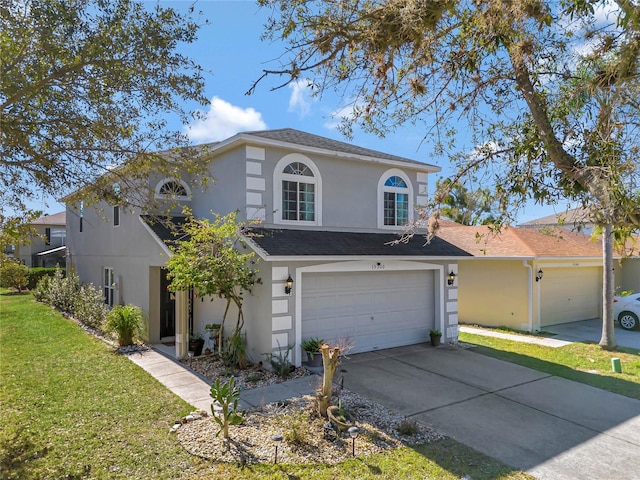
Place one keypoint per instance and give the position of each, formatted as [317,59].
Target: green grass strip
[72,408]
[581,362]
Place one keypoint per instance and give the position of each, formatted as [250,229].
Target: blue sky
[230,50]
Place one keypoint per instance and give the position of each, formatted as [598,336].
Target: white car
[627,311]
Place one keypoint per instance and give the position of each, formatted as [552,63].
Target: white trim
[254,168]
[172,197]
[281,323]
[279,176]
[255,153]
[256,183]
[162,245]
[381,191]
[53,250]
[361,266]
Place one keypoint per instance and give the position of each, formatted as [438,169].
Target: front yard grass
[582,362]
[73,408]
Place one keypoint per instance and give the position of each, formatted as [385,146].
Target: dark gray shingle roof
[286,242]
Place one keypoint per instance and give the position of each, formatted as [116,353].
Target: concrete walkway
[546,341]
[195,389]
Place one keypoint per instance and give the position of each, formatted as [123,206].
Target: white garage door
[374,310]
[570,295]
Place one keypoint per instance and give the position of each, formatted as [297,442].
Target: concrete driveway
[548,426]
[591,330]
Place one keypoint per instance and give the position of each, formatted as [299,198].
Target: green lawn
[71,408]
[582,362]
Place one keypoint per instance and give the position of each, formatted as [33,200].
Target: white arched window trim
[159,185]
[279,176]
[381,189]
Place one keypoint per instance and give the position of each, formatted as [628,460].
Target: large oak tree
[87,86]
[547,92]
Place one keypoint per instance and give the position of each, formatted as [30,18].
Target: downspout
[530,281]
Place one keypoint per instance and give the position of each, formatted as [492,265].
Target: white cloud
[223,120]
[300,99]
[338,116]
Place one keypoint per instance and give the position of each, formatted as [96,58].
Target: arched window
[297,185]
[394,199]
[173,189]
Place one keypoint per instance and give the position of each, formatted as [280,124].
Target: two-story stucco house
[46,248]
[328,211]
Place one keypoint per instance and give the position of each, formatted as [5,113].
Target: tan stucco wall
[630,274]
[493,293]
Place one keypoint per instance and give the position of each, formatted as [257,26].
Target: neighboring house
[575,219]
[525,279]
[47,246]
[328,212]
[628,264]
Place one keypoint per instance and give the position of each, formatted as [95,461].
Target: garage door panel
[570,295]
[372,309]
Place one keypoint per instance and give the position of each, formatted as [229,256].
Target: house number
[377,266]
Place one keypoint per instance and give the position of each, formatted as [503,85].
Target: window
[394,194]
[109,286]
[170,188]
[297,185]
[298,195]
[116,215]
[47,234]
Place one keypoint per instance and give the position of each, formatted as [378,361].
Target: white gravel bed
[307,437]
[254,376]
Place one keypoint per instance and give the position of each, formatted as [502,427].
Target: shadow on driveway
[548,426]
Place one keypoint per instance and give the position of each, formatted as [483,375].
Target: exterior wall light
[451,278]
[539,275]
[288,285]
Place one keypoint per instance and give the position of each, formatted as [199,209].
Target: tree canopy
[208,259]
[501,74]
[87,85]
[467,207]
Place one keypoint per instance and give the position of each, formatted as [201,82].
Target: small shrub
[59,291]
[235,354]
[407,428]
[14,275]
[254,377]
[227,395]
[89,307]
[37,273]
[126,322]
[296,428]
[280,362]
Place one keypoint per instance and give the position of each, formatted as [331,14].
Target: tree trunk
[330,361]
[607,340]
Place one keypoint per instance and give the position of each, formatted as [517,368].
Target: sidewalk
[195,389]
[546,341]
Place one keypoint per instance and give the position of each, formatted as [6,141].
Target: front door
[167,308]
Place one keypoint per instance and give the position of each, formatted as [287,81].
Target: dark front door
[167,308]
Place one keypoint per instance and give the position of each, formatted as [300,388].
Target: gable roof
[573,218]
[59,218]
[480,241]
[303,141]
